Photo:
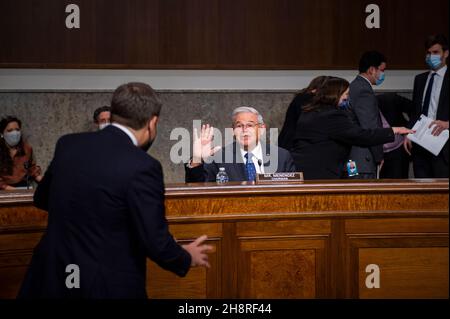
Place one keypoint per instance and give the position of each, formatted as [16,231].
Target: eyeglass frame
[246,126]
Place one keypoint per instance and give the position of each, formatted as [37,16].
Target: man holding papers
[431,105]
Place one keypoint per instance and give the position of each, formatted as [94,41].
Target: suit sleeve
[42,193]
[365,107]
[195,175]
[288,162]
[348,132]
[145,198]
[417,103]
[287,133]
[202,173]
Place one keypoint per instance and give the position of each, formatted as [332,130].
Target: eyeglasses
[241,126]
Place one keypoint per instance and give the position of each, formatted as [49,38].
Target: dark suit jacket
[287,133]
[105,203]
[365,107]
[443,106]
[324,139]
[393,107]
[235,168]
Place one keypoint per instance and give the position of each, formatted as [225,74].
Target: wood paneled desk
[310,240]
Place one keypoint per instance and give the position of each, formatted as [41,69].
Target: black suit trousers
[426,165]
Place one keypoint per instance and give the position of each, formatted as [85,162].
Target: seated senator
[16,156]
[326,131]
[247,156]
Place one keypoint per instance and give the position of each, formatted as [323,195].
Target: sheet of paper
[423,136]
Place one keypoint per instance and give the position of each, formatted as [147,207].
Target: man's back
[105,199]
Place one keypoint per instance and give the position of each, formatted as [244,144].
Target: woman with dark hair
[326,133]
[17,165]
[286,137]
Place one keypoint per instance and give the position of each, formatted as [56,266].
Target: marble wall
[47,116]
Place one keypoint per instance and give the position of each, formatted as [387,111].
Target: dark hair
[328,95]
[100,110]
[6,162]
[436,39]
[370,58]
[133,105]
[315,84]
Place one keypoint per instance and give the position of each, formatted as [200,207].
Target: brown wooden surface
[418,272]
[311,240]
[216,34]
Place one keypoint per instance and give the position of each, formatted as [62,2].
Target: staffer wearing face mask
[326,133]
[365,109]
[102,117]
[431,98]
[16,156]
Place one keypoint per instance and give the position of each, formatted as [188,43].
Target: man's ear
[445,54]
[153,122]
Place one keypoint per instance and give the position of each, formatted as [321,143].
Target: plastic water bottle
[222,176]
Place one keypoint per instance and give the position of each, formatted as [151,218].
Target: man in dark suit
[394,107]
[242,159]
[105,200]
[430,97]
[365,108]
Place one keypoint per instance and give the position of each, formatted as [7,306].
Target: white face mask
[103,125]
[12,138]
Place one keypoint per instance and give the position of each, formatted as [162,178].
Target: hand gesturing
[202,144]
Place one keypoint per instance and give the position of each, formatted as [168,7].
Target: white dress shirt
[257,155]
[435,91]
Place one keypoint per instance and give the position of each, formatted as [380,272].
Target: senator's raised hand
[202,144]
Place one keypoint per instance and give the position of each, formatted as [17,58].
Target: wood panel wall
[216,34]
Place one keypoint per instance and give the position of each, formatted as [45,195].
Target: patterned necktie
[426,101]
[250,169]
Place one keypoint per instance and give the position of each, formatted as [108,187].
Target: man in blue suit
[242,159]
[105,200]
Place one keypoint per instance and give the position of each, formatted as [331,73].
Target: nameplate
[279,178]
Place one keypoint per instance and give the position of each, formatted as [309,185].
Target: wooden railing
[311,240]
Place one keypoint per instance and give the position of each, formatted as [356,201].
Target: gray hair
[247,109]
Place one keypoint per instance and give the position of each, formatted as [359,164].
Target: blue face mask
[433,60]
[380,79]
[344,105]
[12,138]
